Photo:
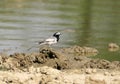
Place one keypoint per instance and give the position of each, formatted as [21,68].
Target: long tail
[35,46]
[41,42]
[31,47]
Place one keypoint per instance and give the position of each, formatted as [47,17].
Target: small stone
[32,69]
[106,73]
[113,47]
[113,74]
[37,70]
[94,70]
[88,71]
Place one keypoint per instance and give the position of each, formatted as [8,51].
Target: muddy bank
[58,59]
[63,66]
[80,51]
[48,75]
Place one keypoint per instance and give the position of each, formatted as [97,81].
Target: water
[91,23]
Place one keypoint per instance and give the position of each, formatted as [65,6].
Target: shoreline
[63,66]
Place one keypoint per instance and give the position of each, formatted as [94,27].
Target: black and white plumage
[52,40]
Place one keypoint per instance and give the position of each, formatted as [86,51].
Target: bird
[52,40]
[49,41]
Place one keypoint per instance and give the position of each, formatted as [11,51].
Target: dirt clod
[51,66]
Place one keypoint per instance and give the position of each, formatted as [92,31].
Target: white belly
[51,41]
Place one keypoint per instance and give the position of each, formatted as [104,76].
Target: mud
[48,75]
[113,47]
[80,51]
[64,66]
[57,59]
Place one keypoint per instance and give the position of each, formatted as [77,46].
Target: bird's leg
[46,47]
[43,48]
[49,47]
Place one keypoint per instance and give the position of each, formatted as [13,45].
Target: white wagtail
[52,40]
[49,41]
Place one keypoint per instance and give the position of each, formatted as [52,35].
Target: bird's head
[57,34]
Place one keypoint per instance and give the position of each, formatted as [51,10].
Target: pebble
[94,70]
[113,74]
[37,70]
[113,45]
[88,71]
[106,73]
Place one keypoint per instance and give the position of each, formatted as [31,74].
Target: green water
[94,23]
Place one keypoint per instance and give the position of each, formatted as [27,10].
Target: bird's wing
[50,39]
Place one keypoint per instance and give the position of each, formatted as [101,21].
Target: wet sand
[63,66]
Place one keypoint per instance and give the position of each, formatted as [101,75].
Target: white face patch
[58,33]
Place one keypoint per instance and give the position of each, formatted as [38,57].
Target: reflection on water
[82,22]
